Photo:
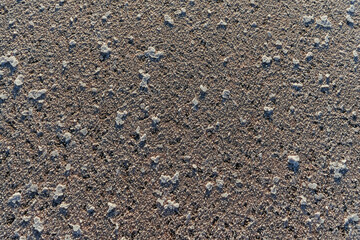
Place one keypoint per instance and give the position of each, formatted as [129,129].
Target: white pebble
[19,80]
[168,20]
[323,22]
[225,94]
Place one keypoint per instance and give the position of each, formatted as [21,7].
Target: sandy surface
[179,119]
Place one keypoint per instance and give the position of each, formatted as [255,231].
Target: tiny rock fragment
[294,162]
[309,56]
[225,94]
[297,86]
[277,58]
[355,54]
[153,54]
[268,112]
[316,41]
[19,80]
[63,208]
[351,9]
[266,60]
[76,230]
[37,94]
[195,103]
[224,195]
[67,137]
[351,219]
[59,194]
[155,160]
[15,199]
[72,43]
[38,225]
[168,20]
[273,190]
[338,169]
[181,12]
[11,61]
[312,186]
[296,62]
[168,206]
[323,22]
[3,97]
[308,19]
[349,20]
[222,24]
[120,117]
[31,189]
[278,44]
[104,51]
[209,186]
[219,183]
[144,79]
[324,88]
[111,209]
[90,209]
[203,89]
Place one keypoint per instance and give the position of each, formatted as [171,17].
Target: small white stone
[153,54]
[323,22]
[309,56]
[308,19]
[316,41]
[38,225]
[209,186]
[36,94]
[15,199]
[351,9]
[168,20]
[278,44]
[349,19]
[203,89]
[76,230]
[219,183]
[111,208]
[67,137]
[155,159]
[294,162]
[226,94]
[277,58]
[266,60]
[324,88]
[273,190]
[72,43]
[19,80]
[195,103]
[268,111]
[296,62]
[355,54]
[312,186]
[222,24]
[120,117]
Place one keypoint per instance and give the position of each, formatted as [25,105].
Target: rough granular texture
[191,119]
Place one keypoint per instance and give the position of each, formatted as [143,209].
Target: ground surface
[179,119]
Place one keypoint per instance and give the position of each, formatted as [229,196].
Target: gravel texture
[189,119]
